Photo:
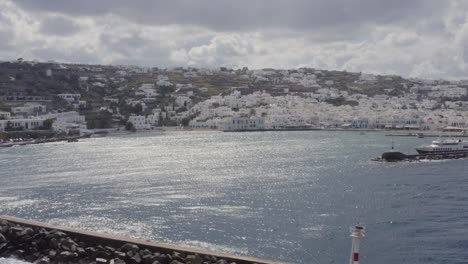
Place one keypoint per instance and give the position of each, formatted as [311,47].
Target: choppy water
[289,196]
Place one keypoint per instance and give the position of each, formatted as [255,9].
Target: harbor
[278,196]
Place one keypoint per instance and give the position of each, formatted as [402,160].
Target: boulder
[194,259]
[2,239]
[148,259]
[136,259]
[119,254]
[101,260]
[44,260]
[130,247]
[118,261]
[52,254]
[163,259]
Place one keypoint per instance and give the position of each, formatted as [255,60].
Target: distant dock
[427,134]
[395,156]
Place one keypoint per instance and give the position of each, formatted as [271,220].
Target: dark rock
[163,259]
[41,243]
[84,261]
[100,247]
[146,252]
[30,258]
[2,246]
[26,232]
[118,261]
[148,259]
[44,260]
[119,254]
[18,253]
[91,250]
[52,253]
[17,229]
[2,239]
[36,256]
[102,254]
[135,259]
[194,259]
[221,261]
[176,262]
[130,247]
[57,234]
[80,251]
[68,255]
[130,253]
[179,258]
[82,244]
[4,229]
[110,249]
[54,243]
[43,231]
[156,262]
[68,244]
[101,260]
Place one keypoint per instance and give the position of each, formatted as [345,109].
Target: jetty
[395,156]
[41,141]
[42,243]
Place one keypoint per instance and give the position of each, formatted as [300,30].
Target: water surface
[289,196]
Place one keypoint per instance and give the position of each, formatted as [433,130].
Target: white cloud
[419,44]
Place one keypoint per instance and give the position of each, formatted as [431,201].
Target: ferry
[444,147]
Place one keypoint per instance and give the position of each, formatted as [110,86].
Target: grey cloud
[72,56]
[135,49]
[418,37]
[125,45]
[57,25]
[226,15]
[6,43]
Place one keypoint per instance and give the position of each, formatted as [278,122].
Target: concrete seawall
[44,243]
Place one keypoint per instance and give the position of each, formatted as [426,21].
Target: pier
[395,156]
[43,243]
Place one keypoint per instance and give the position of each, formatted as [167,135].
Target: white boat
[450,146]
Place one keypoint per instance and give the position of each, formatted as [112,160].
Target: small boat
[420,135]
[450,146]
[72,140]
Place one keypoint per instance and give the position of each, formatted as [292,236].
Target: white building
[24,124]
[139,122]
[147,90]
[70,97]
[243,123]
[4,115]
[29,108]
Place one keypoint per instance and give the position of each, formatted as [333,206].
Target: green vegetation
[341,101]
[130,127]
[48,124]
[101,119]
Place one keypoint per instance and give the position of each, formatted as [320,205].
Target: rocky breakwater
[42,245]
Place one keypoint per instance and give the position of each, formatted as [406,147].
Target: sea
[285,196]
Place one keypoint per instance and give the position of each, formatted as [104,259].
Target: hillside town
[72,98]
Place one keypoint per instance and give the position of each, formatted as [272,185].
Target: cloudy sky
[412,38]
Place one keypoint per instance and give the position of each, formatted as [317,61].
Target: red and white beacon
[357,232]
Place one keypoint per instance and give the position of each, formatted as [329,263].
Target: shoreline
[389,133]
